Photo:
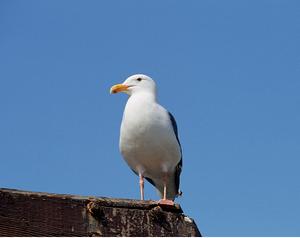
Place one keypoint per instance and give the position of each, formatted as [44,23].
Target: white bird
[149,139]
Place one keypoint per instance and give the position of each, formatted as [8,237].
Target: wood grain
[25,213]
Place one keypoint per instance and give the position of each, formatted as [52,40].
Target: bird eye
[139,79]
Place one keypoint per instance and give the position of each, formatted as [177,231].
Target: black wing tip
[179,165]
[180,193]
[175,128]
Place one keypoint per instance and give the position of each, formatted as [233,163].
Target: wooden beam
[24,213]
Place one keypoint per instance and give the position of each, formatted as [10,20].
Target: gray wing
[179,165]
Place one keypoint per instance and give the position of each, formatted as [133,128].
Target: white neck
[143,96]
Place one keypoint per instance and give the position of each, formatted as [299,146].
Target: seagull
[149,140]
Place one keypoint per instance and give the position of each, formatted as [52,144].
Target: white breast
[147,140]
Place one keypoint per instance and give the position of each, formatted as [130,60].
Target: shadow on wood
[25,213]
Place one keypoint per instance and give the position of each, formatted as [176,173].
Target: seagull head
[134,84]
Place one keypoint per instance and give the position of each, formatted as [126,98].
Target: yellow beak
[118,88]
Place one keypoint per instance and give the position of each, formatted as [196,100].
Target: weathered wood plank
[25,213]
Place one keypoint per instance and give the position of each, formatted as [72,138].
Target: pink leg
[165,191]
[142,186]
[166,201]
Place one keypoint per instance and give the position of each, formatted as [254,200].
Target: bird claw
[166,202]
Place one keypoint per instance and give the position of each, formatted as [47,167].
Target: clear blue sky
[229,71]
